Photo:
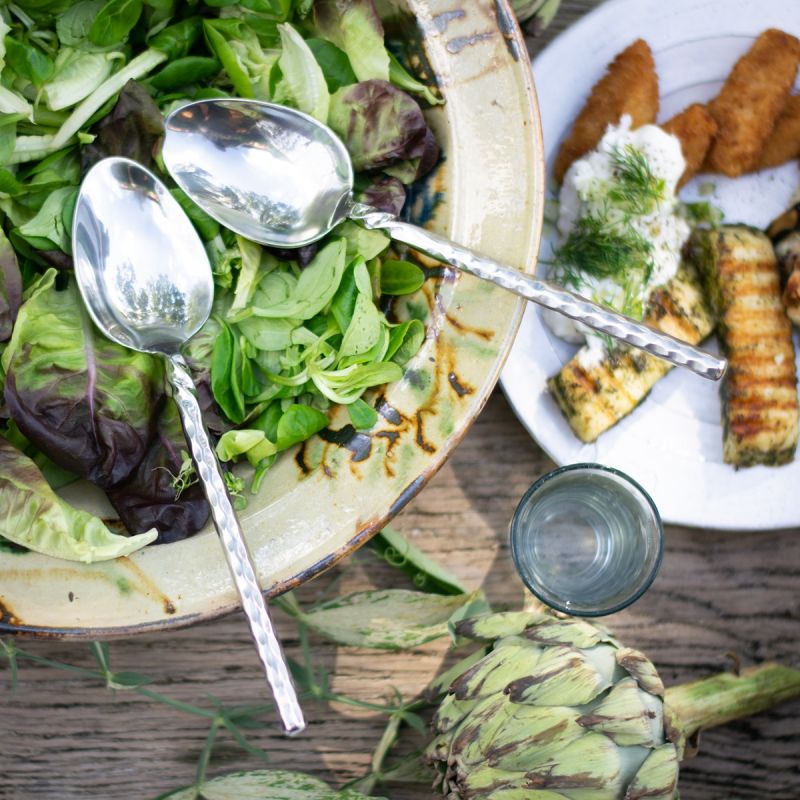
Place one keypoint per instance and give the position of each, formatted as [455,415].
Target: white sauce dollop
[585,192]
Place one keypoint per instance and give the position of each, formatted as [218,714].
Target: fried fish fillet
[594,397]
[751,100]
[783,144]
[759,391]
[695,128]
[630,86]
[785,235]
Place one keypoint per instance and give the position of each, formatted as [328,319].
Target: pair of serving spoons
[278,177]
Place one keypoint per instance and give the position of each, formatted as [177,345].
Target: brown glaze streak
[459,388]
[420,437]
[147,587]
[300,459]
[7,617]
[487,336]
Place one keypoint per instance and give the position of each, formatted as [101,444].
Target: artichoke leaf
[497,671]
[565,676]
[657,778]
[34,517]
[391,619]
[642,669]
[628,715]
[574,632]
[589,768]
[497,626]
[515,737]
[264,784]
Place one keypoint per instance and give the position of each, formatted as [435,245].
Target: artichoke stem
[695,706]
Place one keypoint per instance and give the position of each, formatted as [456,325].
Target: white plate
[672,443]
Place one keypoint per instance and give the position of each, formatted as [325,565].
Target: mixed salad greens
[292,332]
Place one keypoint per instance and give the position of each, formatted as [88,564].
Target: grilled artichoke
[557,709]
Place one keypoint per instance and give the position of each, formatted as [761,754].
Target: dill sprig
[596,247]
[636,189]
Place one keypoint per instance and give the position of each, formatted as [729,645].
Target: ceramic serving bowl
[325,499]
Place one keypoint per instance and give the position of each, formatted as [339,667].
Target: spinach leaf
[404,341]
[400,277]
[35,517]
[28,61]
[295,425]
[363,416]
[87,402]
[176,40]
[10,287]
[334,62]
[399,76]
[185,71]
[49,229]
[312,291]
[72,27]
[114,22]
[226,369]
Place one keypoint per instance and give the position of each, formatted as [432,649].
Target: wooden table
[67,737]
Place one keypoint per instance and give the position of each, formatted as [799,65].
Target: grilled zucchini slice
[594,398]
[759,392]
[785,235]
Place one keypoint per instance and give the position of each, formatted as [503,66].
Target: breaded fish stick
[696,128]
[751,101]
[783,144]
[630,86]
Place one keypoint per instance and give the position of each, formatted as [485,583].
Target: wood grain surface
[65,736]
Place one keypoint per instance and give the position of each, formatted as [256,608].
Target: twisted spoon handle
[546,294]
[239,560]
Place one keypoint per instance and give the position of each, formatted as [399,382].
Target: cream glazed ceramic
[326,498]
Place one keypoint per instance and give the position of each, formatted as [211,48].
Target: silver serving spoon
[280,177]
[146,281]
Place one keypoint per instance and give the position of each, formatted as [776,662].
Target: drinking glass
[587,539]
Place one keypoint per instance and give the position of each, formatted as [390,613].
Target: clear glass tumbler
[587,539]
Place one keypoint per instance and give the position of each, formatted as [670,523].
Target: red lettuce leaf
[88,403]
[148,498]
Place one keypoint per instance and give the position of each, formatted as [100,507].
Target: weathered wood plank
[66,737]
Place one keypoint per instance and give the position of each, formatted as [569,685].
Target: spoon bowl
[280,177]
[310,177]
[143,271]
[147,283]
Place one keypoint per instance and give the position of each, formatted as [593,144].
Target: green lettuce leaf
[302,76]
[355,27]
[33,516]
